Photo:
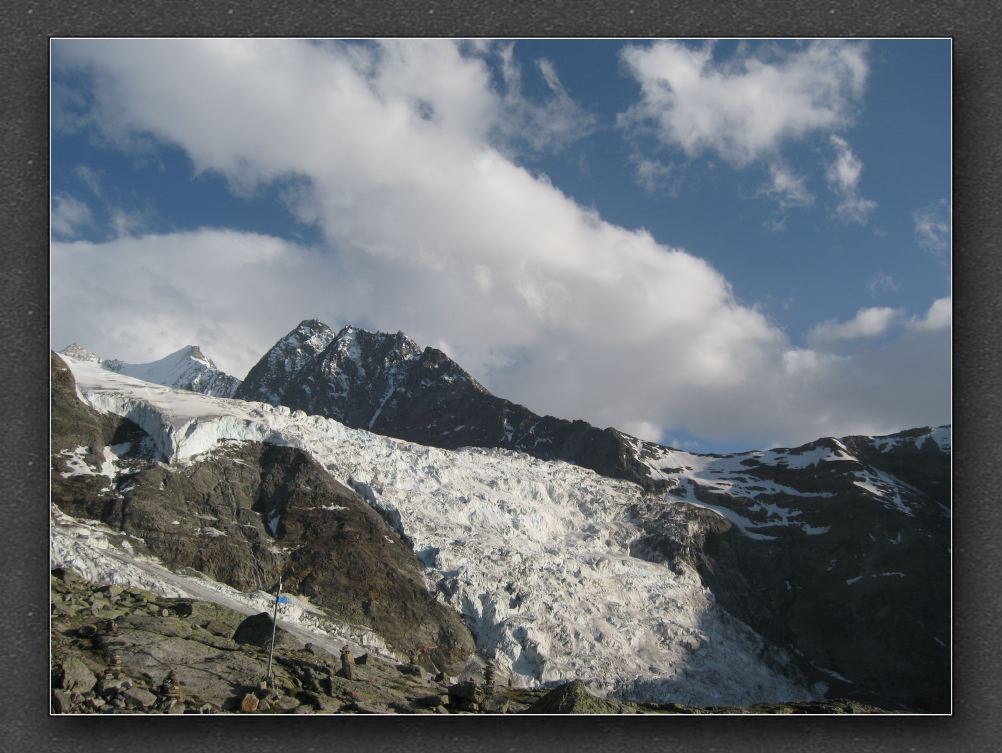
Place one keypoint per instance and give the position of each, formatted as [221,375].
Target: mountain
[245,516]
[838,549]
[184,369]
[789,574]
[387,384]
[268,379]
[80,353]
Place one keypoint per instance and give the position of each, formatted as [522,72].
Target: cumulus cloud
[938,317]
[844,172]
[932,229]
[868,322]
[430,227]
[744,108]
[69,216]
[158,293]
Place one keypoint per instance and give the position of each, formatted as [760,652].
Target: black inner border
[24,312]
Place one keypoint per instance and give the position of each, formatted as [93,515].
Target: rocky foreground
[124,650]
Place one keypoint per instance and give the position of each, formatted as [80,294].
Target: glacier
[535,554]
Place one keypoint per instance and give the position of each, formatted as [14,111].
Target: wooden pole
[274,628]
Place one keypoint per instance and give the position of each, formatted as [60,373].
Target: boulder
[256,630]
[249,703]
[77,675]
[431,701]
[284,703]
[219,628]
[61,701]
[571,698]
[410,669]
[463,694]
[139,697]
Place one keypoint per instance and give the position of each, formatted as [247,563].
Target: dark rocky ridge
[866,594]
[387,384]
[249,513]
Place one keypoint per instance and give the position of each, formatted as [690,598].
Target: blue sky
[722,245]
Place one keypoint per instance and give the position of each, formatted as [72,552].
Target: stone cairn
[346,664]
[171,686]
[114,665]
[489,678]
[170,694]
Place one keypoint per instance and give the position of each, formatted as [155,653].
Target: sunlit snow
[535,554]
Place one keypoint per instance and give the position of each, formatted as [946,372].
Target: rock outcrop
[248,514]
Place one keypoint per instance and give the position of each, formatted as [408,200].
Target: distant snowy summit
[185,369]
[80,353]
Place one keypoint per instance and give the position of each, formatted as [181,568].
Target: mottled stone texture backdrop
[27,27]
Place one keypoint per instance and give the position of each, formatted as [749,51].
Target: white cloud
[932,229]
[844,172]
[429,228]
[938,317]
[158,293]
[653,175]
[744,108]
[868,322]
[91,178]
[69,216]
[787,188]
[882,283]
[549,124]
[124,222]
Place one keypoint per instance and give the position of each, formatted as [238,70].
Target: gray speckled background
[26,28]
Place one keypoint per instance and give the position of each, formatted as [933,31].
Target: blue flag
[283,599]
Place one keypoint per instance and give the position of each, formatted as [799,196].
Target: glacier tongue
[534,554]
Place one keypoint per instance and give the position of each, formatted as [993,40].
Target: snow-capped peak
[269,378]
[185,369]
[80,353]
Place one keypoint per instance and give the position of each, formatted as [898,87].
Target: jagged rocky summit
[388,384]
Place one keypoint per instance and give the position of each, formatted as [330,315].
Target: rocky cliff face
[269,379]
[387,384]
[245,515]
[837,550]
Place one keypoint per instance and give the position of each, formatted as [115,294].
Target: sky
[717,244]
